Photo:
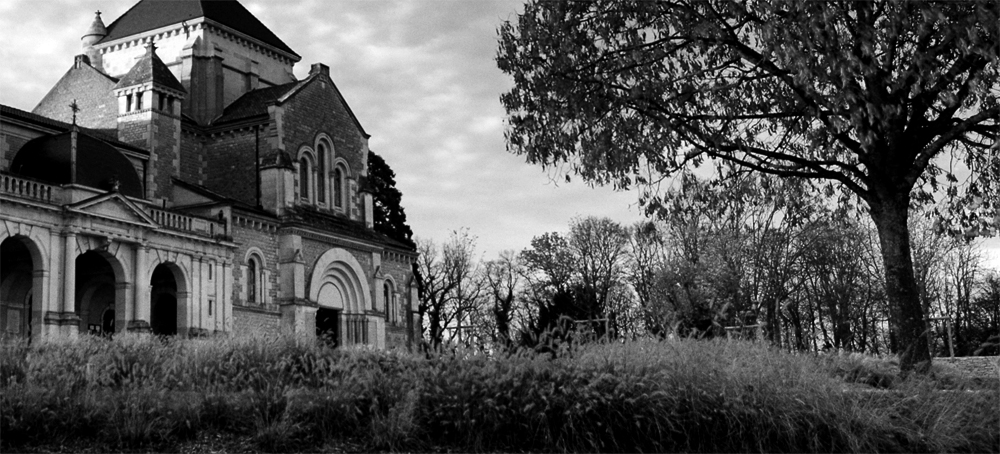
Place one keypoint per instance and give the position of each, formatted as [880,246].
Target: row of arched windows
[321,175]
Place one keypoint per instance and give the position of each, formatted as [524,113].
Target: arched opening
[96,294]
[163,298]
[389,299]
[338,188]
[339,287]
[304,170]
[321,172]
[17,271]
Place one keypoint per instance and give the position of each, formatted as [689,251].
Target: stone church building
[180,180]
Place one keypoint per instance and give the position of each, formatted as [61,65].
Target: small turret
[95,33]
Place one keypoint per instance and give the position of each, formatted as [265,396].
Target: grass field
[276,394]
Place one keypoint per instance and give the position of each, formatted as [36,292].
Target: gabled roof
[114,205]
[7,112]
[91,89]
[152,14]
[253,103]
[150,68]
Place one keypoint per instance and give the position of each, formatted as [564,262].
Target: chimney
[319,68]
[81,60]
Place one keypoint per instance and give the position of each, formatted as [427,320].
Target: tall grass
[282,394]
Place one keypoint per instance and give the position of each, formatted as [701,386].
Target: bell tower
[149,116]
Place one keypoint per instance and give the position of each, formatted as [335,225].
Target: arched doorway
[163,291]
[340,288]
[16,283]
[96,294]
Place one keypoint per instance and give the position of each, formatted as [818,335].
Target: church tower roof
[96,32]
[150,68]
[152,14]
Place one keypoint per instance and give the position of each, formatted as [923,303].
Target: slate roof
[152,14]
[338,224]
[92,91]
[48,158]
[10,112]
[151,69]
[253,103]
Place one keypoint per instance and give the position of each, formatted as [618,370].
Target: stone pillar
[69,322]
[138,317]
[39,302]
[69,273]
[184,308]
[225,319]
[124,293]
[292,269]
[298,320]
[200,291]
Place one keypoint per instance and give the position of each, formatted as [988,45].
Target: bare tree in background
[449,285]
[503,279]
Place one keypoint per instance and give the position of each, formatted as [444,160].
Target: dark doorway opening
[163,316]
[95,293]
[328,327]
[108,323]
[16,281]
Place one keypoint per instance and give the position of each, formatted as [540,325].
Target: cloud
[419,74]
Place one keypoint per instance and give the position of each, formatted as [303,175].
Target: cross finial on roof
[75,108]
[98,12]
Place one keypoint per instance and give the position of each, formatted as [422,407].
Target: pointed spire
[96,32]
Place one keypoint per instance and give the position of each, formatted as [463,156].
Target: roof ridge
[150,68]
[66,127]
[148,15]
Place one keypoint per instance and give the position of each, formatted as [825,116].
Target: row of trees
[751,256]
[882,100]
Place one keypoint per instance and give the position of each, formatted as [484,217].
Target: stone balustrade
[184,223]
[26,188]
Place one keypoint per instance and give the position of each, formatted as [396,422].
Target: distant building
[195,187]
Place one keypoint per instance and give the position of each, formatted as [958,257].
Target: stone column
[138,314]
[123,299]
[226,300]
[292,270]
[68,309]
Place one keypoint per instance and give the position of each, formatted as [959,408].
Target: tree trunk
[907,314]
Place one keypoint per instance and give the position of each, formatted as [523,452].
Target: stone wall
[229,161]
[193,161]
[975,366]
[255,321]
[252,232]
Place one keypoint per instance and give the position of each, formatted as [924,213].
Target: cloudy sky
[421,77]
[419,74]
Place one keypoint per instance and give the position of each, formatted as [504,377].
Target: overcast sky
[419,74]
[421,77]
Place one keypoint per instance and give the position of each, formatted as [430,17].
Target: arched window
[338,188]
[304,171]
[391,308]
[387,299]
[253,270]
[321,172]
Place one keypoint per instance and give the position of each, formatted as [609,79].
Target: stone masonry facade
[254,213]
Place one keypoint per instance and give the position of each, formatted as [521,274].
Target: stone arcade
[178,179]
